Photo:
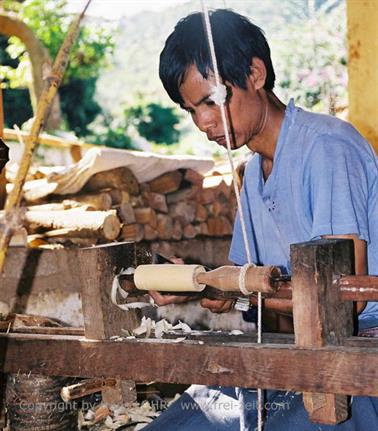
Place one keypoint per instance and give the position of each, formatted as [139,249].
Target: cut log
[119,178]
[57,206]
[97,201]
[157,201]
[201,213]
[164,226]
[145,188]
[216,209]
[125,213]
[137,201]
[150,234]
[193,177]
[104,224]
[223,189]
[166,183]
[182,195]
[177,231]
[219,226]
[132,232]
[146,216]
[119,196]
[190,231]
[205,196]
[204,230]
[184,212]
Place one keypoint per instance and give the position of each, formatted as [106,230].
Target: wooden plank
[320,317]
[331,369]
[97,268]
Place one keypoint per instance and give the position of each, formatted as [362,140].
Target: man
[312,176]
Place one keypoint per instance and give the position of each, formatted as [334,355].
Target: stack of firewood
[113,206]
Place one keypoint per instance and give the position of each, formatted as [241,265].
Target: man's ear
[258,73]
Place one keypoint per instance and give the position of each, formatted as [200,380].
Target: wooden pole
[3,180]
[44,104]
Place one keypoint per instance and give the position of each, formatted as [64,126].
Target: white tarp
[144,165]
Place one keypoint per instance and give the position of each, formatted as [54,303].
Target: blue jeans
[214,408]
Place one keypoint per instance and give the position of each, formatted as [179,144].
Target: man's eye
[210,102]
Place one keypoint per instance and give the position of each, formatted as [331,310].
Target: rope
[219,97]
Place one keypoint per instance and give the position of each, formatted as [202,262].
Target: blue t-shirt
[324,181]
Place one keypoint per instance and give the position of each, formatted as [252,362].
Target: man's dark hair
[236,42]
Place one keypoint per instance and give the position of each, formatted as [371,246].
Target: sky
[113,9]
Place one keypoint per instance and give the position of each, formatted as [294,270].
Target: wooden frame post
[320,317]
[102,319]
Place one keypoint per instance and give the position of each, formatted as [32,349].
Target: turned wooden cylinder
[186,278]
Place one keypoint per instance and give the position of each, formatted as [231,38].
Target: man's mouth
[221,140]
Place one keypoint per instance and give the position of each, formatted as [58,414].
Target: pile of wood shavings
[133,417]
[158,329]
[104,418]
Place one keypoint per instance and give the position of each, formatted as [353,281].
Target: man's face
[243,109]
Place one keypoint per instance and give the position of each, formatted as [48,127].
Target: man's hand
[218,305]
[168,299]
[161,300]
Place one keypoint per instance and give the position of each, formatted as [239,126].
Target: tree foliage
[154,122]
[312,64]
[91,53]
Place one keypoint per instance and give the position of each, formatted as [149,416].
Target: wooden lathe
[323,359]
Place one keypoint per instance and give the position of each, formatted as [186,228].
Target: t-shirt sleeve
[338,189]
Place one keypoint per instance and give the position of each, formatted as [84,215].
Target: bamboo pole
[3,155]
[12,216]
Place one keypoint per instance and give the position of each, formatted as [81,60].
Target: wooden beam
[46,139]
[358,288]
[287,367]
[320,317]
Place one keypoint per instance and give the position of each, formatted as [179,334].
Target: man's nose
[206,121]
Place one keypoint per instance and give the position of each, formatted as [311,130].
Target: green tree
[50,22]
[154,122]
